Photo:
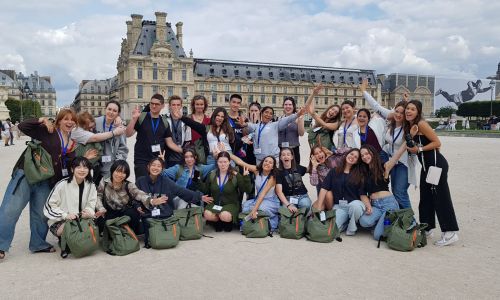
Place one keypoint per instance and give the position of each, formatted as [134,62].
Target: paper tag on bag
[322,216]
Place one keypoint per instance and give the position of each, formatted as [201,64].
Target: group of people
[362,163]
[7,131]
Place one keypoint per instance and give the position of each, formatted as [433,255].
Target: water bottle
[387,222]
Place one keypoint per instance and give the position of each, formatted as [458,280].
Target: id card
[217,207]
[343,202]
[294,200]
[64,172]
[316,129]
[322,216]
[106,158]
[156,148]
[285,144]
[257,151]
[155,212]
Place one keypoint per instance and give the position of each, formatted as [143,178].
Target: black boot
[218,226]
[228,226]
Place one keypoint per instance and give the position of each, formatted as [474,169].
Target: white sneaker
[350,233]
[447,238]
[429,233]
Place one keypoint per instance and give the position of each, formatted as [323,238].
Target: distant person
[11,134]
[473,88]
[6,133]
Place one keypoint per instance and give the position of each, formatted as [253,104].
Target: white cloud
[58,37]
[12,62]
[456,46]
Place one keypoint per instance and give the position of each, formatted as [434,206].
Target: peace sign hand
[162,154]
[245,171]
[317,89]
[136,113]
[364,85]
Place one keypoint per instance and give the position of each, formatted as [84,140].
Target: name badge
[322,216]
[65,172]
[217,207]
[343,202]
[294,200]
[155,212]
[285,144]
[106,158]
[316,129]
[257,151]
[155,148]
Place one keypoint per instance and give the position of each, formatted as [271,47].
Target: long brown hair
[230,170]
[355,172]
[393,122]
[407,125]
[228,130]
[334,119]
[196,98]
[309,169]
[374,169]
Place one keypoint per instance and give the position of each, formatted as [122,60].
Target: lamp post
[492,86]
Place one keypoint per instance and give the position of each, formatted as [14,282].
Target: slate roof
[148,37]
[5,80]
[35,83]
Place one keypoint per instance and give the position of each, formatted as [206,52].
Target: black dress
[435,199]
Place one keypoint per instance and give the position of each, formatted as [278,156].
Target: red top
[195,135]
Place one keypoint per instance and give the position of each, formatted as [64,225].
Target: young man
[152,135]
[234,116]
[180,132]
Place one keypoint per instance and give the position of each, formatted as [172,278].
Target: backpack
[403,233]
[164,233]
[37,163]
[164,119]
[322,231]
[118,237]
[80,236]
[292,225]
[81,149]
[321,137]
[191,222]
[256,228]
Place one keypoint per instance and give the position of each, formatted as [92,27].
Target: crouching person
[341,190]
[163,191]
[73,197]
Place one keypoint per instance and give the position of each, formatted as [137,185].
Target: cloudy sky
[72,40]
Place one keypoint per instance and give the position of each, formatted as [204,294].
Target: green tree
[445,112]
[31,109]
[14,107]
[478,109]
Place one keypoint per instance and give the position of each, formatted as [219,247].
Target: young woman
[219,133]
[404,172]
[265,139]
[289,185]
[190,174]
[199,105]
[19,192]
[225,185]
[116,197]
[377,188]
[344,138]
[325,125]
[342,190]
[265,197]
[155,186]
[434,199]
[370,130]
[114,148]
[253,118]
[71,198]
[321,161]
[289,136]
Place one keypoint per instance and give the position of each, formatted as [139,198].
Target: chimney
[179,32]
[129,33]
[136,29]
[161,26]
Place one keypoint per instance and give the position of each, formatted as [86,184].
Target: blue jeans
[400,185]
[269,206]
[12,206]
[376,218]
[304,201]
[347,215]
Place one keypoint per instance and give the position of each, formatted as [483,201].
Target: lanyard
[232,122]
[363,136]
[221,183]
[395,138]
[154,126]
[104,125]
[64,148]
[261,128]
[346,129]
[261,187]
[190,180]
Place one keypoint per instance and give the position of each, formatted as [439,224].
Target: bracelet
[288,205]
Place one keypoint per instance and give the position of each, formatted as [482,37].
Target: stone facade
[93,94]
[4,95]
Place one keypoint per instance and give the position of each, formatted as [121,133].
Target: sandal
[46,250]
[2,254]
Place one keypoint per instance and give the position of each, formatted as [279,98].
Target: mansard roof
[148,37]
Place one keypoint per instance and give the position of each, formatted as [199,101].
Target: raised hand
[176,113]
[91,154]
[241,121]
[406,97]
[314,162]
[119,130]
[364,85]
[136,113]
[301,112]
[245,171]
[317,89]
[221,147]
[118,122]
[162,155]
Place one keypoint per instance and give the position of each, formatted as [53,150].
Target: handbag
[434,172]
[37,163]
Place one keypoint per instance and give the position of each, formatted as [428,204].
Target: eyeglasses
[154,104]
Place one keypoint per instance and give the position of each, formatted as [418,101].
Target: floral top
[117,199]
